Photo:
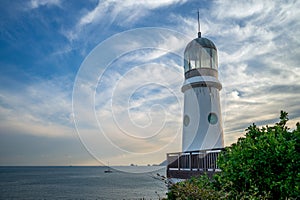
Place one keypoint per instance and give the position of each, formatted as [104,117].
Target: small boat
[108,169]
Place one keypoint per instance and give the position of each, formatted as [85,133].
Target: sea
[74,182]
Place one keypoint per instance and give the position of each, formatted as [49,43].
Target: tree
[265,164]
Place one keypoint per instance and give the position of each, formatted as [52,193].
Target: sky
[87,82]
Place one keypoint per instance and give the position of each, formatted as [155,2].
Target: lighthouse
[202,120]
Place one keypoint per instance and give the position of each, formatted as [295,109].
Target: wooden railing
[184,165]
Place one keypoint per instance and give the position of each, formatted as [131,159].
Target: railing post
[190,163]
[204,162]
[178,160]
[215,161]
[168,162]
[168,165]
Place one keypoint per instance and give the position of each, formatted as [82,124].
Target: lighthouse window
[212,118]
[206,58]
[186,120]
[186,65]
[187,61]
[193,64]
[214,59]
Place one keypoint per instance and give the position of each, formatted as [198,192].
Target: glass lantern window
[206,58]
[186,65]
[193,64]
[214,59]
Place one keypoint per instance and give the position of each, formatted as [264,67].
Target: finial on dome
[199,32]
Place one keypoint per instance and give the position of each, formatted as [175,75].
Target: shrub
[265,164]
[195,188]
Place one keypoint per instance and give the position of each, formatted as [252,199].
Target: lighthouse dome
[200,53]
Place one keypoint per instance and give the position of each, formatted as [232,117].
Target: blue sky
[131,111]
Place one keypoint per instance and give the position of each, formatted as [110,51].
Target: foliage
[266,161]
[263,165]
[195,188]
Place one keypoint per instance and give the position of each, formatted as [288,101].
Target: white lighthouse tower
[202,120]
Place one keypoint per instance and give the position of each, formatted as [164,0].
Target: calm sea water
[78,183]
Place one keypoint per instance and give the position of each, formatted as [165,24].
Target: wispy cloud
[125,11]
[122,13]
[137,100]
[254,59]
[37,3]
[42,109]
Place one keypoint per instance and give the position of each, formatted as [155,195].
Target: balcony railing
[184,165]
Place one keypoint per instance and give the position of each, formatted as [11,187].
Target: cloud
[240,9]
[121,13]
[37,3]
[143,102]
[42,108]
[137,98]
[126,11]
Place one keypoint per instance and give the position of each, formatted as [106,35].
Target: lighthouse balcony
[201,81]
[201,72]
[184,165]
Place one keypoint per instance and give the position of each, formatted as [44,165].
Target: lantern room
[200,53]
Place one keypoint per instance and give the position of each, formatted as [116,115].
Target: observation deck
[184,165]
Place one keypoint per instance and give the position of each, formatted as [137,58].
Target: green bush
[195,188]
[263,165]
